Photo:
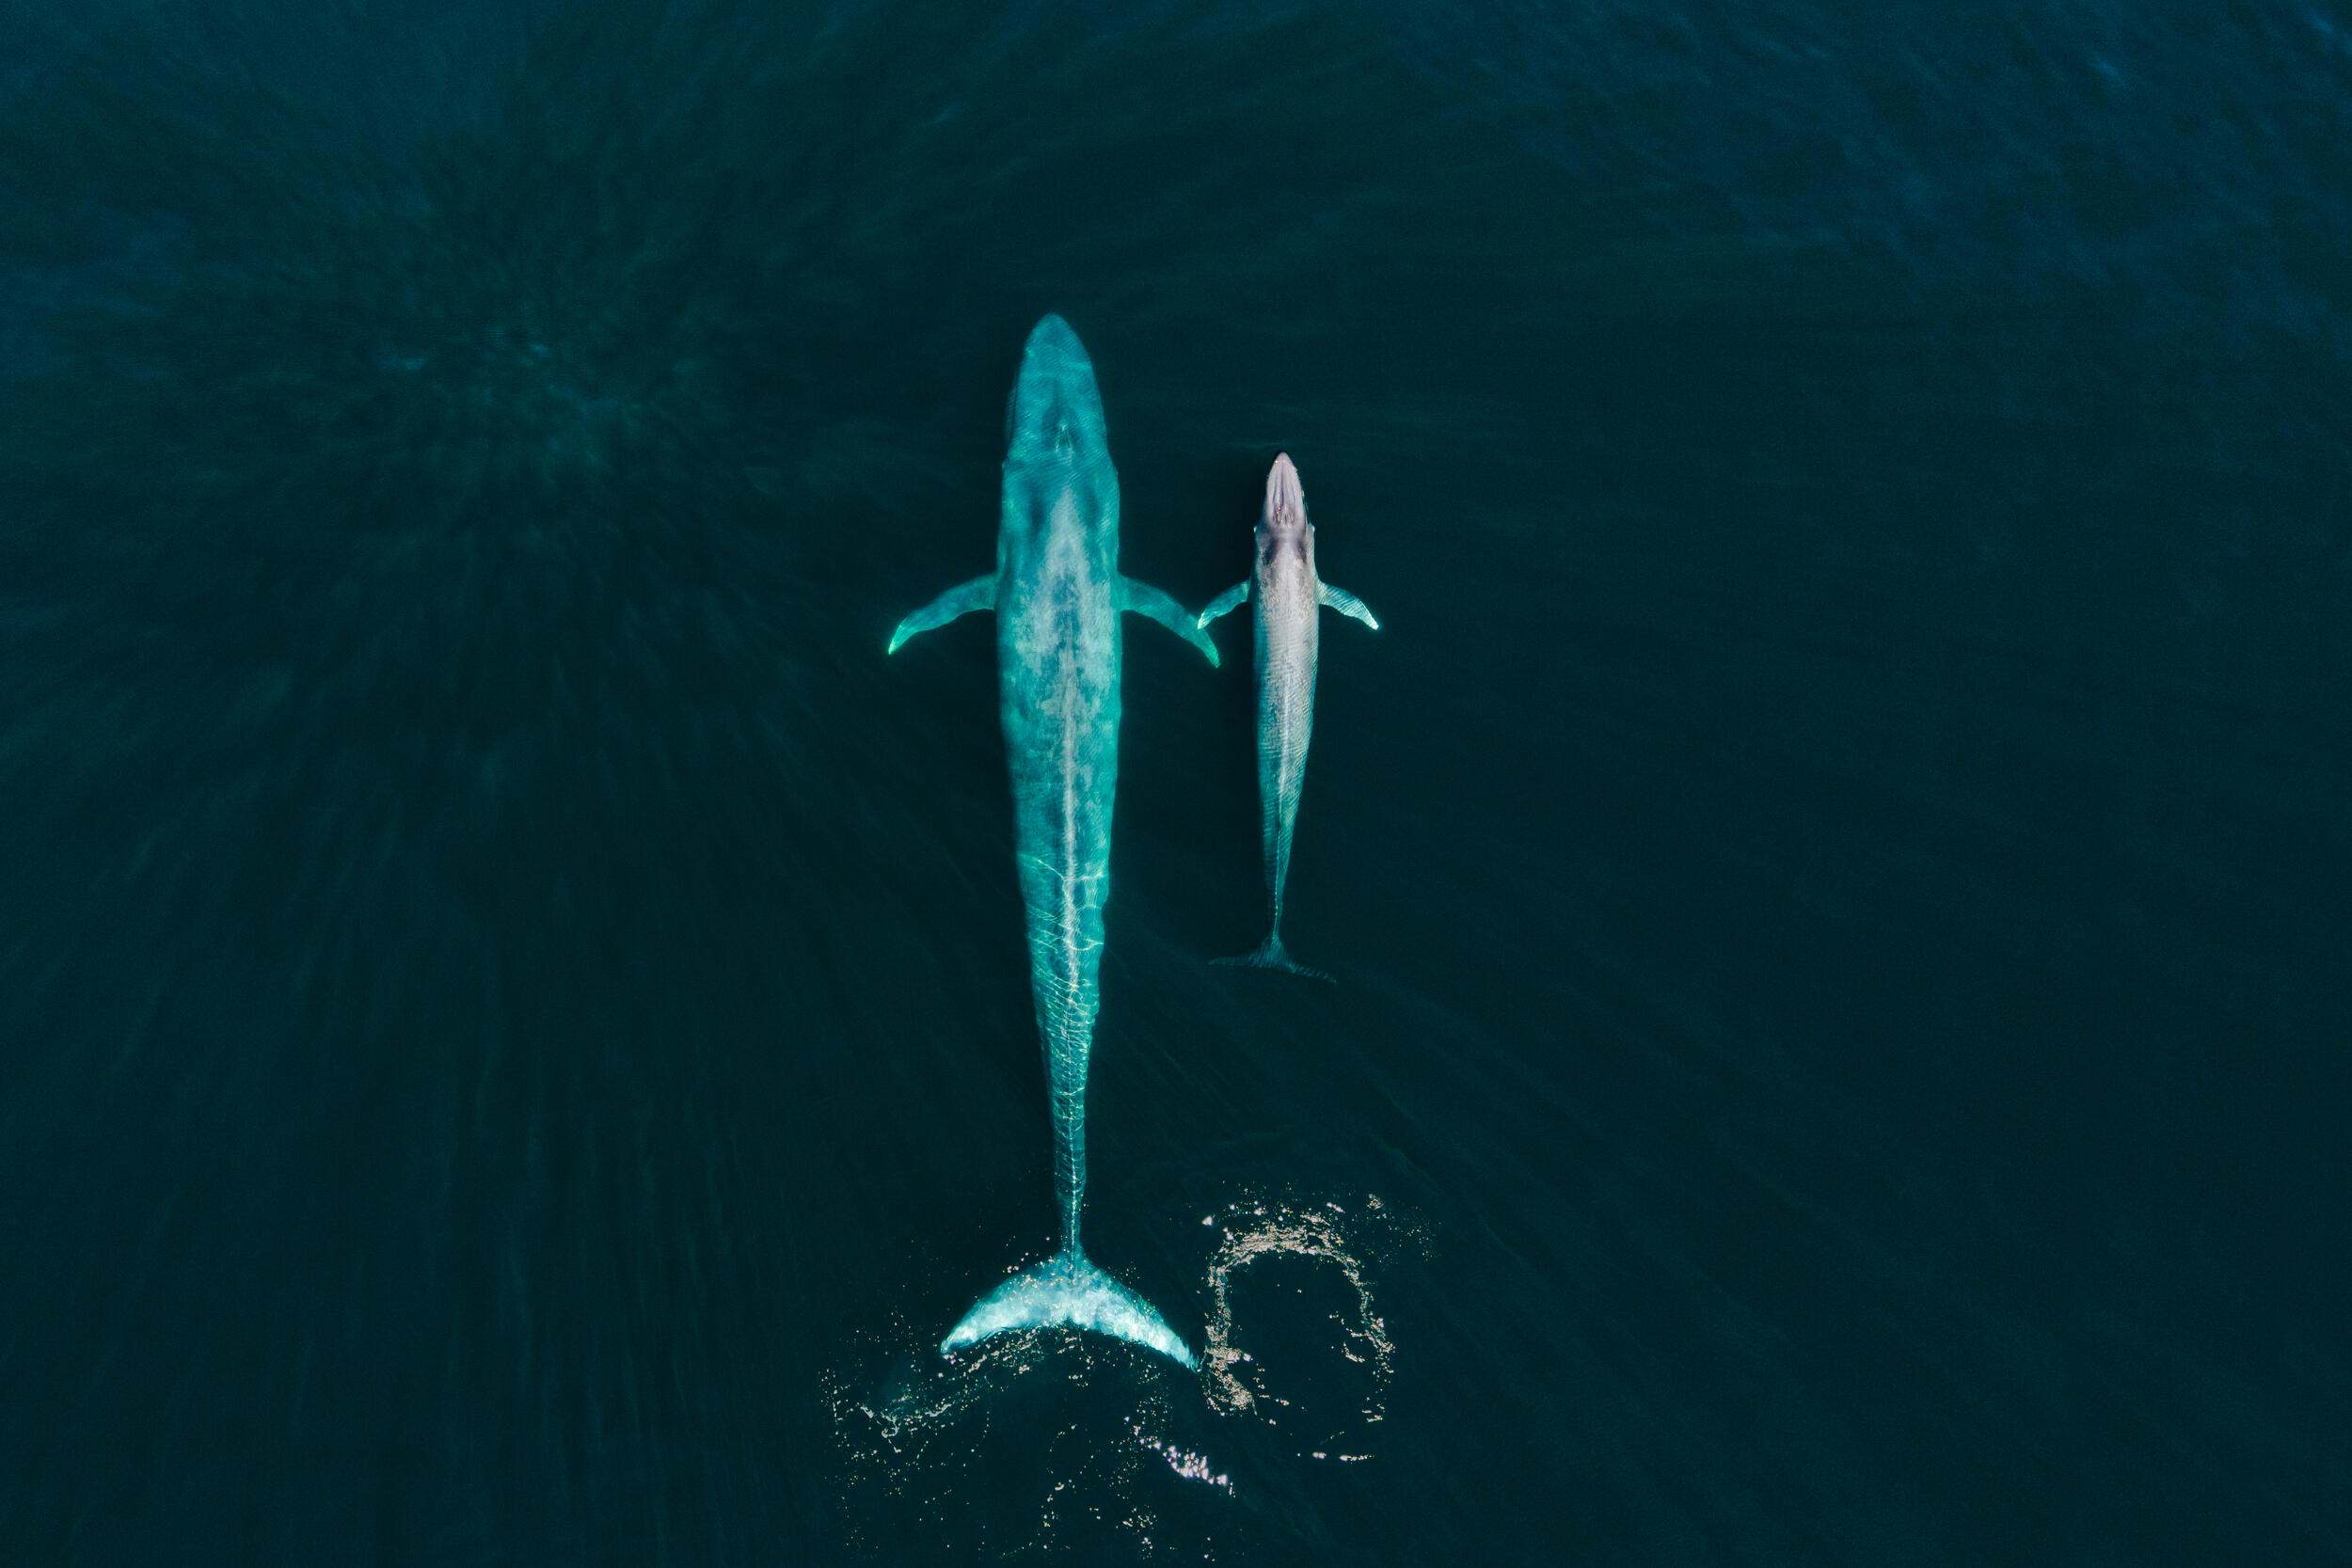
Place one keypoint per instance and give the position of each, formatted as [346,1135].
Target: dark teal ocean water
[515,1039]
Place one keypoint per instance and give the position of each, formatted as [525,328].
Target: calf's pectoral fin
[1225,603]
[1347,604]
[963,600]
[1144,599]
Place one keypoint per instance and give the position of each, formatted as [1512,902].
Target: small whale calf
[1290,600]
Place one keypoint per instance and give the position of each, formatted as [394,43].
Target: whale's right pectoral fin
[1225,603]
[1144,599]
[1068,1290]
[1347,604]
[963,600]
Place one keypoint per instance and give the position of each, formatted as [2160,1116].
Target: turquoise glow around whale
[1057,594]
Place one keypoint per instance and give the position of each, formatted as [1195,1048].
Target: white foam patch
[1235,1379]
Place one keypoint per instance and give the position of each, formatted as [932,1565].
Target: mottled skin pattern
[1290,597]
[1057,665]
[1057,596]
[1289,646]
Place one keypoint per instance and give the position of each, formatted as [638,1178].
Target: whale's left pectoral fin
[1347,604]
[963,600]
[1144,599]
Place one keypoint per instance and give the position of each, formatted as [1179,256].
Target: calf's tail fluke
[1068,1290]
[1271,953]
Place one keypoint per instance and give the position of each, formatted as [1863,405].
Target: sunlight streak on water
[1191,1465]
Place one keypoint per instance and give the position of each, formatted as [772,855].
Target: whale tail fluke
[1068,1291]
[1271,953]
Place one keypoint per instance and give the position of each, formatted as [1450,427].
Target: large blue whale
[1057,596]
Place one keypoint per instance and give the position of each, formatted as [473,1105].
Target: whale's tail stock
[1271,953]
[1068,1291]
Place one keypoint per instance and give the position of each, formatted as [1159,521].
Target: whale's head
[1061,490]
[1056,416]
[1282,525]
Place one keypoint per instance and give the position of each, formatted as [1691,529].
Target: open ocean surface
[515,1034]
